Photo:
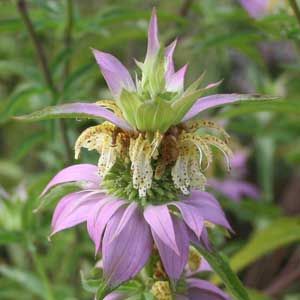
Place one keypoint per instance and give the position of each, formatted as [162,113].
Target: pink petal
[191,217]
[175,82]
[209,207]
[159,219]
[127,254]
[99,217]
[153,42]
[129,211]
[81,172]
[212,101]
[116,296]
[74,209]
[201,289]
[235,189]
[116,75]
[169,52]
[174,262]
[256,8]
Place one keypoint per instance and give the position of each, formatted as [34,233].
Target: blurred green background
[250,55]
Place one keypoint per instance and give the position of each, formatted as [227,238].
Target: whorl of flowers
[146,197]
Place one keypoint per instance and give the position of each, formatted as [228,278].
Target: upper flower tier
[155,101]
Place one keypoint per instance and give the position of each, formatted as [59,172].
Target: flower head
[151,121]
[125,232]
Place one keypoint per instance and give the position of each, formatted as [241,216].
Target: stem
[184,10]
[295,8]
[23,10]
[68,34]
[283,282]
[22,7]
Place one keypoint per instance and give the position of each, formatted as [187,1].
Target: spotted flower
[125,232]
[150,121]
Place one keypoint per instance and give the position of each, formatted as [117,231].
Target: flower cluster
[146,197]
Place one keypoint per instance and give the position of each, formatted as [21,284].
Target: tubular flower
[125,232]
[236,187]
[259,8]
[150,121]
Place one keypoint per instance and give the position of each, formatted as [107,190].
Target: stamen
[92,137]
[222,146]
[194,260]
[161,290]
[111,104]
[192,126]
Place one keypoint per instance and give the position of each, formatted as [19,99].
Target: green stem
[40,270]
[295,8]
[24,13]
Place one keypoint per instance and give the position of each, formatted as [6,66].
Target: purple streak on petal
[116,296]
[81,172]
[208,207]
[256,8]
[191,217]
[129,211]
[153,42]
[116,75]
[98,219]
[206,197]
[160,221]
[174,263]
[211,101]
[235,189]
[201,289]
[92,110]
[169,52]
[74,209]
[126,255]
[175,82]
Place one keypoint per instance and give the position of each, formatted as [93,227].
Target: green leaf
[26,279]
[228,277]
[54,112]
[129,103]
[8,237]
[89,284]
[57,193]
[292,107]
[277,234]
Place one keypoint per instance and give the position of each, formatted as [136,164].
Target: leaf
[257,295]
[56,193]
[292,107]
[26,279]
[90,285]
[27,145]
[277,234]
[228,277]
[8,237]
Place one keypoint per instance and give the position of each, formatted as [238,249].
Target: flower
[150,121]
[235,187]
[258,8]
[125,232]
[190,288]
